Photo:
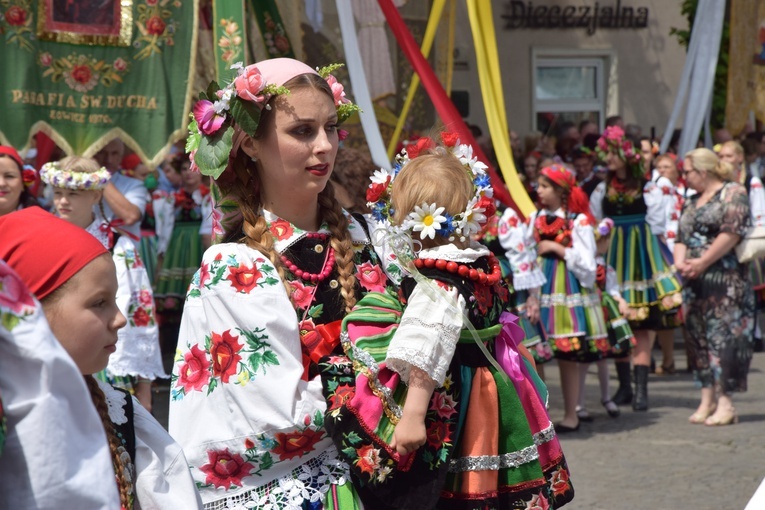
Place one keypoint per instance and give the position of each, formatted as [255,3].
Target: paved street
[657,460]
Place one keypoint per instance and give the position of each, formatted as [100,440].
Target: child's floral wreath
[430,219]
[211,130]
[613,138]
[52,174]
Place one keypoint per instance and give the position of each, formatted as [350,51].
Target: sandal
[583,414]
[611,408]
[715,421]
[700,417]
[668,370]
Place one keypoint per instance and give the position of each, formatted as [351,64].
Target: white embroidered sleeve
[612,283]
[517,239]
[580,257]
[658,198]
[164,220]
[428,333]
[757,202]
[596,201]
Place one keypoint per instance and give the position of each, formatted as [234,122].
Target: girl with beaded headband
[265,305]
[560,233]
[638,252]
[77,184]
[432,421]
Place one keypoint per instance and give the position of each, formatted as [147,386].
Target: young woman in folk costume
[561,234]
[638,252]
[77,286]
[429,418]
[77,185]
[267,302]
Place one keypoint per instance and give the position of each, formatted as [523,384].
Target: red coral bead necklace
[477,275]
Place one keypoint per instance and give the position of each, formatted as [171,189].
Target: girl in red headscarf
[570,311]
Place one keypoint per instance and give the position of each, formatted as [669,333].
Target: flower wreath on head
[613,138]
[430,219]
[52,174]
[211,131]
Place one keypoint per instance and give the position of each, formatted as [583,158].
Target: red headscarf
[14,155]
[27,245]
[578,202]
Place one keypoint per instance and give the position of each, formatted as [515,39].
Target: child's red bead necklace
[477,275]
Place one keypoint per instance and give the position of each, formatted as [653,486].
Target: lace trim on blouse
[309,482]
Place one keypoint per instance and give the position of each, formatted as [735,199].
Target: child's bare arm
[410,431]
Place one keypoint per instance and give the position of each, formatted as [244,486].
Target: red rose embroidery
[243,278]
[438,433]
[369,459]
[300,294]
[296,444]
[15,16]
[371,277]
[559,482]
[443,404]
[281,229]
[13,293]
[342,394]
[513,221]
[225,355]
[309,337]
[145,298]
[225,468]
[81,74]
[249,444]
[204,274]
[141,318]
[155,25]
[194,373]
[602,344]
[563,344]
[538,502]
[483,298]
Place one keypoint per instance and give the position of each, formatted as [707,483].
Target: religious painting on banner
[87,71]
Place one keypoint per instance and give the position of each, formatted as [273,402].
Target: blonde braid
[333,215]
[99,400]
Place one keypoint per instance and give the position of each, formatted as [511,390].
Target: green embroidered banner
[229,26]
[87,71]
[272,29]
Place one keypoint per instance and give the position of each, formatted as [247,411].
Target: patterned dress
[490,443]
[245,403]
[720,302]
[180,219]
[497,230]
[643,264]
[570,310]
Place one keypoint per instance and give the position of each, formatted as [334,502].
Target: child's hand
[624,308]
[409,435]
[551,247]
[532,309]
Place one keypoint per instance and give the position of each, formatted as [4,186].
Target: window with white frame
[567,88]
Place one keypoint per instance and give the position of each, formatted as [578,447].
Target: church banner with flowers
[87,71]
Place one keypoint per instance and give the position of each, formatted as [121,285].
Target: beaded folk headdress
[52,174]
[240,103]
[613,138]
[430,219]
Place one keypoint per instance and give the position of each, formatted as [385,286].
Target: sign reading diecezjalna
[87,71]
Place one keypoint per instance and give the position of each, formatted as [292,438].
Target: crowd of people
[337,345]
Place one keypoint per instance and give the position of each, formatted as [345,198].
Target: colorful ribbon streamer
[487,59]
[446,110]
[359,84]
[427,44]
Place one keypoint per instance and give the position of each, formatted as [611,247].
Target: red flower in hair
[422,144]
[29,175]
[450,139]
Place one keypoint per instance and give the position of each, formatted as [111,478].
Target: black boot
[641,388]
[623,395]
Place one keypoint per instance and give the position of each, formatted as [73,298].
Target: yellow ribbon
[487,59]
[427,45]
